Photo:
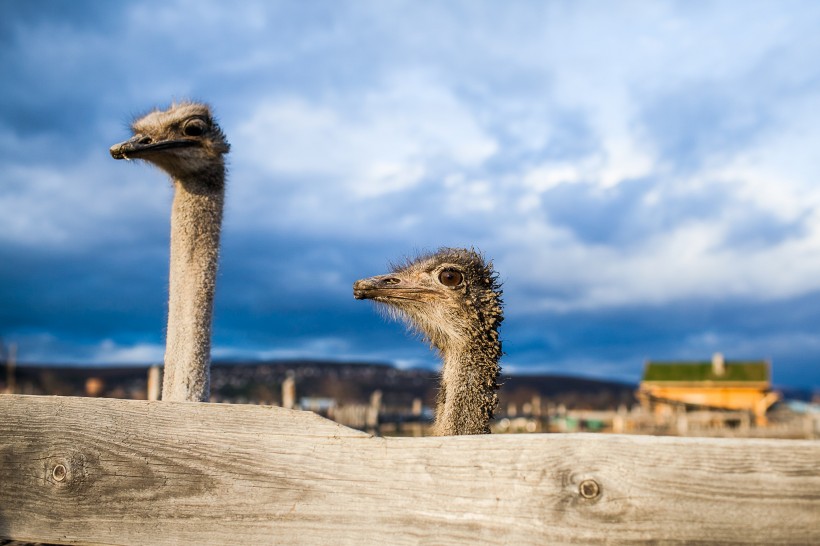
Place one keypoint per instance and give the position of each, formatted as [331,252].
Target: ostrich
[186,143]
[453,298]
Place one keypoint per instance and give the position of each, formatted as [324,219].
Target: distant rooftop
[701,371]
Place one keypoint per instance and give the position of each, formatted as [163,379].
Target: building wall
[733,398]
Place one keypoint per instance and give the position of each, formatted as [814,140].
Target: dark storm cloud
[106,290]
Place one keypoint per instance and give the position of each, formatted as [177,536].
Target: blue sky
[644,175]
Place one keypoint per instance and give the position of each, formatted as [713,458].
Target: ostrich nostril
[390,280]
[145,140]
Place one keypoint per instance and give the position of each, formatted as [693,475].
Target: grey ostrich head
[184,141]
[452,297]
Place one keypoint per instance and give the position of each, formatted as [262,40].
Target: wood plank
[79,470]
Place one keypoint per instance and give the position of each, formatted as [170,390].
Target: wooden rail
[104,471]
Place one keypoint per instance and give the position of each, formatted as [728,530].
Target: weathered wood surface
[75,470]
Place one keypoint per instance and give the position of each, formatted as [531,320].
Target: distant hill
[346,382]
[573,392]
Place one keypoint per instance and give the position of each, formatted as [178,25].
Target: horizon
[642,176]
[808,391]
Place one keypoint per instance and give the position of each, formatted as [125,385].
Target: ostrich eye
[194,128]
[450,277]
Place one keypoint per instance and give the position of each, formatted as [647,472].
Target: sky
[644,175]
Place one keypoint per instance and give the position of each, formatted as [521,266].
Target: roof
[689,372]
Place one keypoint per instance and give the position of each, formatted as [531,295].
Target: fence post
[154,382]
[289,391]
[372,415]
[11,363]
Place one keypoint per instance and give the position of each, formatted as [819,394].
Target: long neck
[467,397]
[196,219]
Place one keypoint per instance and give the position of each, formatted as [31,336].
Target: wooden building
[717,384]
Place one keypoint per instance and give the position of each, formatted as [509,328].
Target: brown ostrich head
[184,140]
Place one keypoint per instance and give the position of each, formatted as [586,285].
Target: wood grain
[104,471]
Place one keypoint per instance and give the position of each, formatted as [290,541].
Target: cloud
[625,167]
[52,206]
[44,348]
[109,352]
[376,142]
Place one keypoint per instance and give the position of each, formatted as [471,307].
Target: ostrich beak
[364,289]
[390,288]
[139,144]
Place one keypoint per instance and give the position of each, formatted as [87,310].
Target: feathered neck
[196,219]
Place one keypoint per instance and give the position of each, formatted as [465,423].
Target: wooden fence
[105,471]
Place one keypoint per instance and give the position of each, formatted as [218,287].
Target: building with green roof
[717,384]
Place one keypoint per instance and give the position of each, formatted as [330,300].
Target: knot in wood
[59,473]
[589,489]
